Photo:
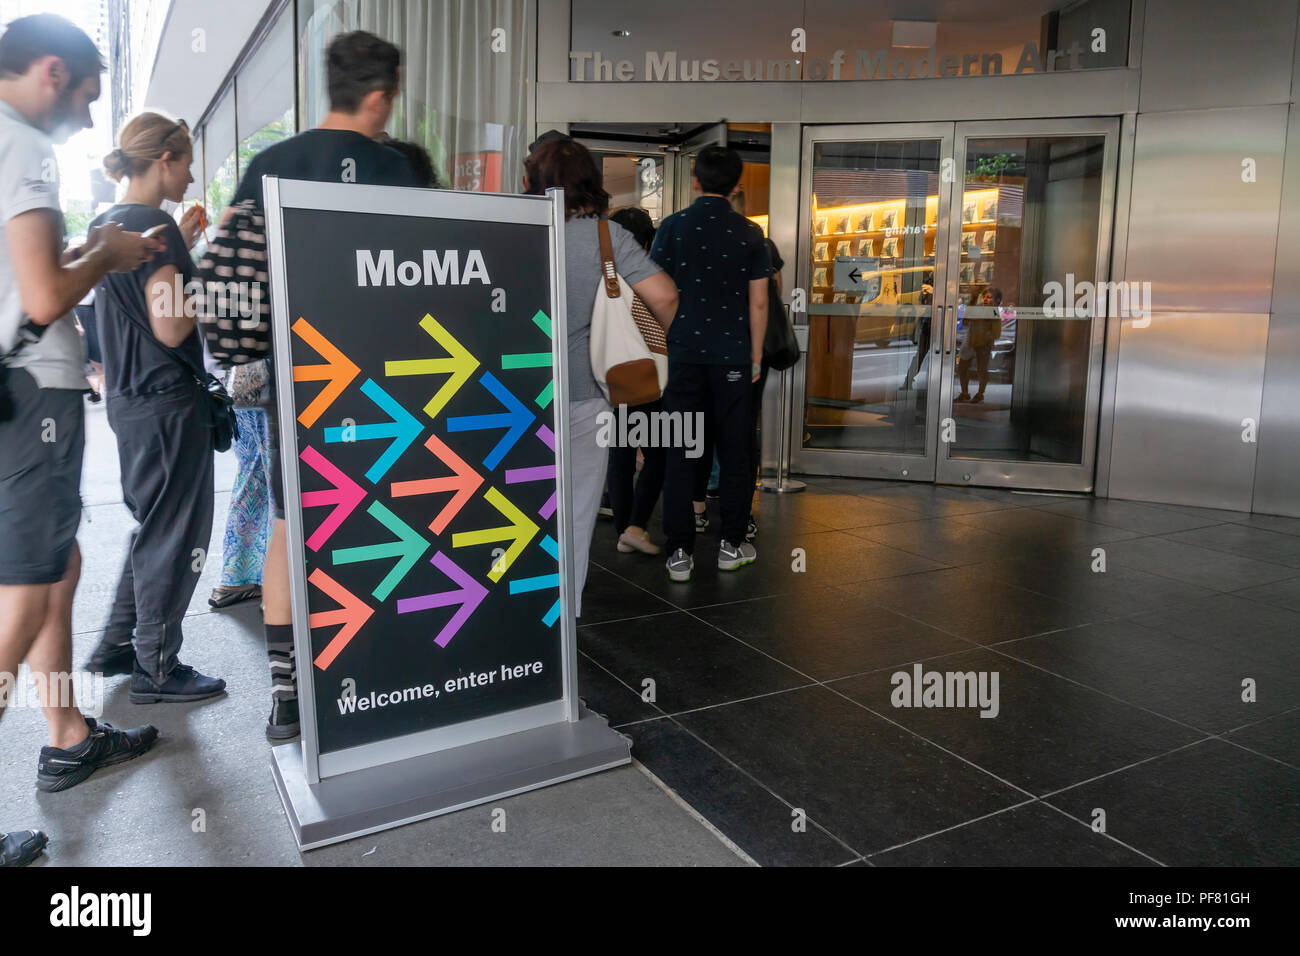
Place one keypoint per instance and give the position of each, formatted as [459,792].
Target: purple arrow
[469,596]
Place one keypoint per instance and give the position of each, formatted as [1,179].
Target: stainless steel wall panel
[1198,54]
[1286,276]
[1277,464]
[1202,237]
[1185,384]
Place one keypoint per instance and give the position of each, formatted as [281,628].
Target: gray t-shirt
[29,179]
[582,274]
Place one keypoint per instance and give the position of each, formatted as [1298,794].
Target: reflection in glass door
[875,220]
[1023,379]
[935,350]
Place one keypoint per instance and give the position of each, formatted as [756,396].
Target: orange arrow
[352,615]
[464,483]
[338,371]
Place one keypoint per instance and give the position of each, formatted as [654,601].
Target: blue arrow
[542,582]
[516,420]
[404,429]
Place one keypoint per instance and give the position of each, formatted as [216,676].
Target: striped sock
[279,650]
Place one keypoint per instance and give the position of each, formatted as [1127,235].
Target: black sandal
[228,597]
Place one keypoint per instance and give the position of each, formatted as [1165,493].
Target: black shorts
[41,448]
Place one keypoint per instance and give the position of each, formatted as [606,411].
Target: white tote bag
[625,368]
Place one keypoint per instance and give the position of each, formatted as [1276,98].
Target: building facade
[1038,244]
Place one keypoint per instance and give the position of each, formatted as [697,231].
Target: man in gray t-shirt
[49,76]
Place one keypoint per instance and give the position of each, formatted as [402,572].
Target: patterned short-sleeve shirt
[713,253]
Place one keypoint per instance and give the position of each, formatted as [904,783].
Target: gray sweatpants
[589,462]
[164,445]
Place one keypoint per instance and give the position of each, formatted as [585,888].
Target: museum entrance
[939,261]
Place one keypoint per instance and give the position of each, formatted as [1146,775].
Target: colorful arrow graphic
[352,613]
[542,582]
[515,420]
[516,476]
[519,532]
[408,549]
[345,495]
[337,372]
[463,482]
[403,427]
[459,364]
[468,596]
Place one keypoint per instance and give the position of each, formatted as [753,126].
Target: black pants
[164,445]
[723,394]
[632,506]
[755,418]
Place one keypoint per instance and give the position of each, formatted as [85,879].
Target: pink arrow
[469,597]
[345,496]
[464,482]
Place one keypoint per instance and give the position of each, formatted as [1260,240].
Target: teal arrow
[404,428]
[408,549]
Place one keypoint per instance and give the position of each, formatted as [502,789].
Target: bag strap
[29,333]
[200,375]
[607,270]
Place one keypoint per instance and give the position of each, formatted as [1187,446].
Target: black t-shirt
[132,365]
[326,156]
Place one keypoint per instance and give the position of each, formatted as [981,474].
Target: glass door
[1022,364]
[714,134]
[873,259]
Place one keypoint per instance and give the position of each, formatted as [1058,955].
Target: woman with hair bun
[160,415]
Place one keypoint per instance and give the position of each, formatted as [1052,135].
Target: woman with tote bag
[568,165]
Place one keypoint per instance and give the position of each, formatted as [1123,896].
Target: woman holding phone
[153,362]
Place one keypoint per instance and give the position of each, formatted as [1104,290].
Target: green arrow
[407,549]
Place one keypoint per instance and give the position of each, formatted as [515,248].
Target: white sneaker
[733,556]
[680,565]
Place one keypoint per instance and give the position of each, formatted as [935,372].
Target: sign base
[390,795]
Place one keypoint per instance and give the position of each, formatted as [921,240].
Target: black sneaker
[112,660]
[701,522]
[184,684]
[283,723]
[21,847]
[60,769]
[751,530]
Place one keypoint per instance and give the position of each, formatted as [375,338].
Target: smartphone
[153,231]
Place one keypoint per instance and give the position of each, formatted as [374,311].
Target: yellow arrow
[520,531]
[460,363]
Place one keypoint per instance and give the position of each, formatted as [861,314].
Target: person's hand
[755,369]
[192,223]
[122,251]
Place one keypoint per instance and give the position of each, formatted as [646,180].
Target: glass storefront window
[219,158]
[461,99]
[264,92]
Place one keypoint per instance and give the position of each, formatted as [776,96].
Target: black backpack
[237,256]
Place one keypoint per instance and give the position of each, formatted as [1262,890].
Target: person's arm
[757,320]
[659,293]
[47,288]
[167,315]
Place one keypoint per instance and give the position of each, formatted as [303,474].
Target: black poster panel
[422,388]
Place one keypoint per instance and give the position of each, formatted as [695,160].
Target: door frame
[935,465]
[848,462]
[1051,476]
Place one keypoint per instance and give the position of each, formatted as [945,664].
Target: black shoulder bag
[29,333]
